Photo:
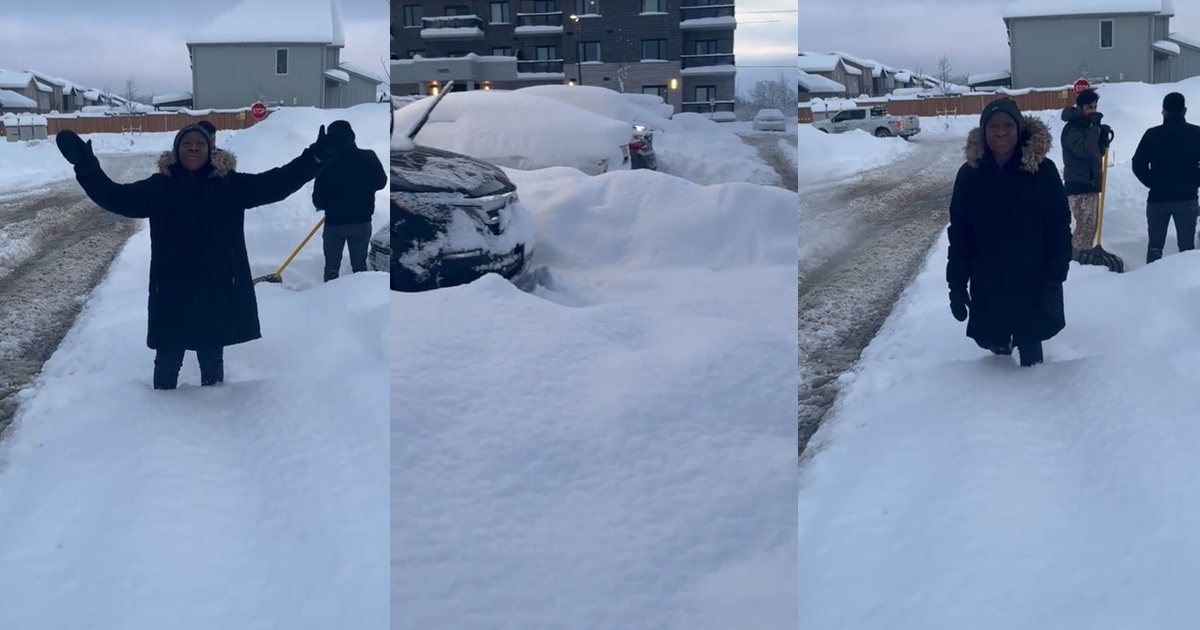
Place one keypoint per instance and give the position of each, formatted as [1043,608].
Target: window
[706,46]
[505,51]
[545,6]
[457,10]
[1106,33]
[654,49]
[589,51]
[281,61]
[706,93]
[654,6]
[587,7]
[500,13]
[657,90]
[547,53]
[412,16]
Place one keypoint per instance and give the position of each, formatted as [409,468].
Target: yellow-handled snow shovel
[1096,255]
[277,277]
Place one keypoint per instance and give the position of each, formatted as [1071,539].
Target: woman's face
[193,151]
[1001,134]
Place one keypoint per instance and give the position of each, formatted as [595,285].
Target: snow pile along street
[263,499]
[950,488]
[610,449]
[825,156]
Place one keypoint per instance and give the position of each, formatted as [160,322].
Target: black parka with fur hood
[1010,240]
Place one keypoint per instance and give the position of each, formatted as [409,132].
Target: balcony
[711,17]
[544,67]
[540,23]
[452,27]
[719,111]
[720,63]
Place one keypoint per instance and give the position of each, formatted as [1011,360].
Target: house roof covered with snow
[987,77]
[819,63]
[14,80]
[11,99]
[178,97]
[1060,8]
[1180,38]
[275,22]
[820,85]
[67,86]
[877,69]
[1164,46]
[354,68]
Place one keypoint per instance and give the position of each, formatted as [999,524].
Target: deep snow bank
[827,156]
[611,451]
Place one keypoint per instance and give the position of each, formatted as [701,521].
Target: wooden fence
[147,123]
[971,104]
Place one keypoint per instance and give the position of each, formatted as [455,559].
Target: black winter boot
[1031,354]
[1153,254]
[166,368]
[212,366]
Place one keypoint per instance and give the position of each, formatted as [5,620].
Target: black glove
[1095,118]
[72,147]
[325,148]
[959,301]
[1106,137]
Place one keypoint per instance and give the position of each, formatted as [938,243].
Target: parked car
[873,120]
[454,219]
[770,120]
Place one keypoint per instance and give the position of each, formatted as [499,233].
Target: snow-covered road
[769,149]
[861,242]
[55,246]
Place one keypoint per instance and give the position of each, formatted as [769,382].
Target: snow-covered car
[454,219]
[770,120]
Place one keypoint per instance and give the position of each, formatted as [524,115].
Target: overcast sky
[100,44]
[918,32]
[765,36]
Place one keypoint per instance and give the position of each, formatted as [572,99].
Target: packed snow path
[767,145]
[861,242]
[55,246]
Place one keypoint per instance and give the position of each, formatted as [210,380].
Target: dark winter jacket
[1167,160]
[201,291]
[345,188]
[1082,157]
[1010,240]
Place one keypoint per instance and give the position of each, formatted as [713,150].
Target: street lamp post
[578,50]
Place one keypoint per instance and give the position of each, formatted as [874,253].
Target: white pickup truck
[873,120]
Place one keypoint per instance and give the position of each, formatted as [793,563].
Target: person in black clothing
[201,292]
[1010,235]
[212,131]
[1084,139]
[345,190]
[1167,161]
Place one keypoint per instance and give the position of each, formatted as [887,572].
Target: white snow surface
[260,503]
[984,77]
[826,156]
[1186,40]
[338,75]
[819,63]
[708,22]
[614,452]
[820,84]
[9,98]
[31,163]
[274,22]
[451,32]
[526,129]
[952,489]
[1166,46]
[1042,8]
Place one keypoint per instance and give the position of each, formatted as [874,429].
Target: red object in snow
[1081,85]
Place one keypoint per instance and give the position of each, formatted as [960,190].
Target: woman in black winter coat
[201,291]
[1010,235]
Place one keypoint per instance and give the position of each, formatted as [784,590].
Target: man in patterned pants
[1083,141]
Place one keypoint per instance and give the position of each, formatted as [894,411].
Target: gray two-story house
[1128,41]
[680,50]
[30,87]
[833,68]
[250,54]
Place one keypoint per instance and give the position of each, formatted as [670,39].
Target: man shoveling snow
[201,292]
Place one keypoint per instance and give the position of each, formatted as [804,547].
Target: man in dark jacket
[201,292]
[345,190]
[1010,235]
[1167,161]
[1084,139]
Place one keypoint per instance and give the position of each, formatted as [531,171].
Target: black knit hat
[209,127]
[185,131]
[1002,105]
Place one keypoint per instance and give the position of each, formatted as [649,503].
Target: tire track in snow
[767,145]
[60,247]
[862,242]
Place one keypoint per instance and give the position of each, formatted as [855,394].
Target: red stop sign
[259,111]
[1081,85]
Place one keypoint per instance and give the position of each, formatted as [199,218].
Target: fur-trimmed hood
[223,163]
[1035,145]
